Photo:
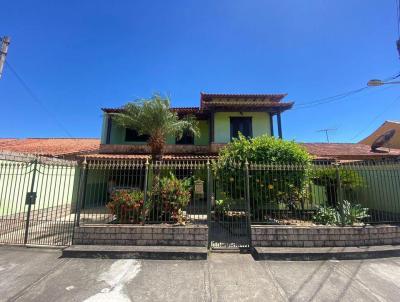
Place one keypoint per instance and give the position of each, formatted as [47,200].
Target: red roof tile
[348,151]
[103,156]
[270,97]
[50,146]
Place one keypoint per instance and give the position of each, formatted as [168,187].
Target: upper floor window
[242,125]
[131,135]
[187,139]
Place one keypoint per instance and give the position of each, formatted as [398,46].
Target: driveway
[32,274]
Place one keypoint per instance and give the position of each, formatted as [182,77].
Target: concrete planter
[149,235]
[324,236]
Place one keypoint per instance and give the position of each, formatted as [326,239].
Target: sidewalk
[31,274]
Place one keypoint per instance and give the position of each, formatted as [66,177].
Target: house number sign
[199,187]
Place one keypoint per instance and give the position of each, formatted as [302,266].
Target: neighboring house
[66,148]
[220,116]
[386,126]
[349,151]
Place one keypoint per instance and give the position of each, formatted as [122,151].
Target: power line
[375,118]
[338,97]
[36,99]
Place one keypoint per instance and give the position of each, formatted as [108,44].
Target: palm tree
[154,118]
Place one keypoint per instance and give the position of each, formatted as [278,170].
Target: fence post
[339,195]
[247,191]
[146,176]
[209,192]
[30,198]
[81,192]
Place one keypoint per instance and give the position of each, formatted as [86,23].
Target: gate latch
[30,198]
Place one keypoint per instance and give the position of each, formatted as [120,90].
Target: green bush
[264,149]
[351,214]
[171,197]
[328,177]
[283,184]
[127,206]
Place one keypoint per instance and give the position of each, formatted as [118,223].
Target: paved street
[30,274]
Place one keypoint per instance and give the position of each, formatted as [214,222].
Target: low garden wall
[324,236]
[156,234]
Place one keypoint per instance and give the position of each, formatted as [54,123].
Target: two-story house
[221,117]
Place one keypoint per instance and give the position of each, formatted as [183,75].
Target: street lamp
[376,82]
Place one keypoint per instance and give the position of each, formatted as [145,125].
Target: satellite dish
[383,139]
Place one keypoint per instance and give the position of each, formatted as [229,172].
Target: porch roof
[244,102]
[108,156]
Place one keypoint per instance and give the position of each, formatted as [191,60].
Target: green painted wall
[118,135]
[104,129]
[54,185]
[222,131]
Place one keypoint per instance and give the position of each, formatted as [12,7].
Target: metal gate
[229,208]
[37,200]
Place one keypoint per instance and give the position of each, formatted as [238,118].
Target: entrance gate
[229,209]
[37,200]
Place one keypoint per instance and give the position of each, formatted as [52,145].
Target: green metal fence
[37,200]
[42,199]
[276,194]
[290,194]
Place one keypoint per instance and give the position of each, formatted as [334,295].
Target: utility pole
[326,132]
[3,53]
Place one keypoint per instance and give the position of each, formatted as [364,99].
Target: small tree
[284,184]
[154,118]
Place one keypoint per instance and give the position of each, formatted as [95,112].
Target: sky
[76,57]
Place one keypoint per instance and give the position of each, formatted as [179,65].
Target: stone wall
[191,235]
[324,236]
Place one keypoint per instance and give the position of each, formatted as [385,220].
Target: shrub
[171,198]
[328,177]
[127,206]
[264,149]
[325,215]
[351,214]
[284,184]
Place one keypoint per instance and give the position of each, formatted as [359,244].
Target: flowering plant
[127,206]
[173,196]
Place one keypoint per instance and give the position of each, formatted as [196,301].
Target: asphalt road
[29,274]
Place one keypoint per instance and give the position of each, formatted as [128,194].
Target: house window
[187,139]
[131,135]
[242,125]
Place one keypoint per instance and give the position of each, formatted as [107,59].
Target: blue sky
[79,56]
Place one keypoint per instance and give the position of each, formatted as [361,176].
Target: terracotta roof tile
[348,151]
[50,146]
[103,156]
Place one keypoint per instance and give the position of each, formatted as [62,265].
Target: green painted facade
[260,125]
[54,185]
[222,131]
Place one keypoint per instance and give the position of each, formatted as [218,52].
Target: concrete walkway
[28,274]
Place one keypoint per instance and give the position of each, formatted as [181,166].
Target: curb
[136,252]
[332,253]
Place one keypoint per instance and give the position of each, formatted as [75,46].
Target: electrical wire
[36,99]
[338,97]
[375,118]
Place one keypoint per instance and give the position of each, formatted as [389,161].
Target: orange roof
[50,146]
[386,126]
